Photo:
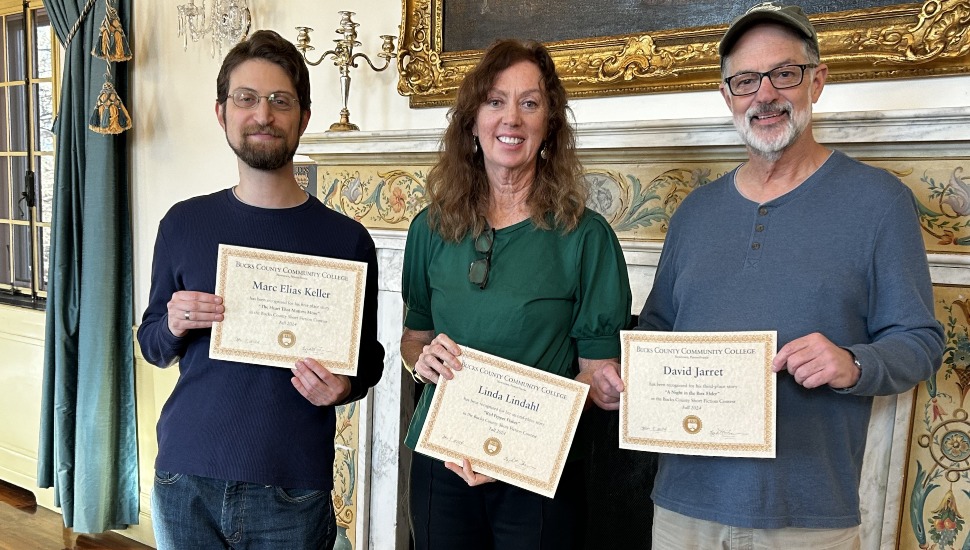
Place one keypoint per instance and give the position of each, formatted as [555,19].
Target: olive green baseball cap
[768,12]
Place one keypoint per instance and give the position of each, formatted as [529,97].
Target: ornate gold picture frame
[895,41]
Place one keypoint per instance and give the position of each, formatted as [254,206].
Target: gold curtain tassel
[112,43]
[110,115]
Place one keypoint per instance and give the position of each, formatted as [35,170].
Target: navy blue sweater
[236,421]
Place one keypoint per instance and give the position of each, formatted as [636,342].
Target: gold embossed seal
[692,424]
[492,446]
[286,339]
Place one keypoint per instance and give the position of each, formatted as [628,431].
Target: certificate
[512,422]
[283,307]
[698,393]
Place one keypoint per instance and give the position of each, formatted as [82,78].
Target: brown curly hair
[457,187]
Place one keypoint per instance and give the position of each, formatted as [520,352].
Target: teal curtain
[88,447]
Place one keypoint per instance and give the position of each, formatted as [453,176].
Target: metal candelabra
[344,58]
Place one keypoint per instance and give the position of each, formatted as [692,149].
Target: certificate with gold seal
[512,422]
[283,307]
[698,393]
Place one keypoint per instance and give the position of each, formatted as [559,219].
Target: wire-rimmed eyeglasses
[245,98]
[478,269]
[786,76]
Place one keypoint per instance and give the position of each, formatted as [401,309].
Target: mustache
[766,108]
[262,129]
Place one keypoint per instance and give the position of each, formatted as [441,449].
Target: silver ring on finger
[187,316]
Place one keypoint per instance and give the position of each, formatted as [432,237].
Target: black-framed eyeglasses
[786,76]
[478,269]
[249,99]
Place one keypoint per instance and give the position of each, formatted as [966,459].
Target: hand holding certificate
[699,393]
[283,307]
[512,422]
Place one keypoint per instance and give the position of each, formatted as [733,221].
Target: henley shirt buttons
[755,246]
[763,211]
[759,228]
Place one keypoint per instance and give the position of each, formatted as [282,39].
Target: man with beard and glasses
[805,241]
[245,452]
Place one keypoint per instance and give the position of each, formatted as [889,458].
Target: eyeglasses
[478,269]
[786,76]
[278,101]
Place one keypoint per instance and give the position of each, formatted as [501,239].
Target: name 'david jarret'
[695,372]
[495,394]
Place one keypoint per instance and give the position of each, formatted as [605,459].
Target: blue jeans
[191,512]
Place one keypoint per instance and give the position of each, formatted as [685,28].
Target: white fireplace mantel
[939,131]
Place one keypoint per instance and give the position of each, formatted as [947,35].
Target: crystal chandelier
[226,23]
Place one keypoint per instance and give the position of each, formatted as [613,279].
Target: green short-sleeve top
[551,297]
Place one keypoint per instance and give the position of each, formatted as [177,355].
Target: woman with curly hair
[507,259]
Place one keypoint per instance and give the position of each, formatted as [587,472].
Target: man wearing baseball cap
[827,251]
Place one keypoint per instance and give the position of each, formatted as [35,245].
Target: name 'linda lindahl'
[524,403]
[290,289]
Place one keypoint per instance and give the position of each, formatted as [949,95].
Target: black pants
[447,514]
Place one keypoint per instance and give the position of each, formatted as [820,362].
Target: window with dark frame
[27,99]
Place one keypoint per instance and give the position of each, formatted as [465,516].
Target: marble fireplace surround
[919,135]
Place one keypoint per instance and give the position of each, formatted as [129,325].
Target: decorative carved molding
[942,32]
[898,41]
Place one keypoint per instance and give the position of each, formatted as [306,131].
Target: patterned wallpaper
[638,199]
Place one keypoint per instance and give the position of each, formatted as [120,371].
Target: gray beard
[771,149]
